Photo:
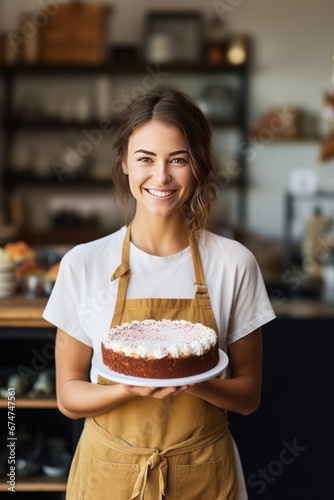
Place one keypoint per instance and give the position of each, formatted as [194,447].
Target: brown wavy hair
[173,108]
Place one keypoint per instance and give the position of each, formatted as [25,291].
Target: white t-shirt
[83,299]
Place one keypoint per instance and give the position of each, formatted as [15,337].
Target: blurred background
[261,71]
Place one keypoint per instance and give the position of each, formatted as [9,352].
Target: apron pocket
[99,480]
[201,481]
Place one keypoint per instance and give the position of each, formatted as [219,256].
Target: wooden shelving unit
[13,123]
[38,483]
[24,332]
[31,403]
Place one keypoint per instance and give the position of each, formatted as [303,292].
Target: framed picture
[173,37]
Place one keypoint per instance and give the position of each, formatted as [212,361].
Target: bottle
[315,227]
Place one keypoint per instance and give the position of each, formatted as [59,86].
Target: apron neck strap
[123,273]
[200,285]
[124,268]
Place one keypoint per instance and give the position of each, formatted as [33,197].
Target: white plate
[158,382]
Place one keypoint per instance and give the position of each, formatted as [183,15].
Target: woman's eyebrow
[180,151]
[145,152]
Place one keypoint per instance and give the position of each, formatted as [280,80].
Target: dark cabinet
[286,444]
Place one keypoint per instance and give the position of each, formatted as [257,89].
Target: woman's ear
[125,168]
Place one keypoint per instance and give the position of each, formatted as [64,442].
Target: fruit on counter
[27,267]
[19,251]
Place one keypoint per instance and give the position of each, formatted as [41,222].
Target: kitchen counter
[19,311]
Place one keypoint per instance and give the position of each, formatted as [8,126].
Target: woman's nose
[162,174]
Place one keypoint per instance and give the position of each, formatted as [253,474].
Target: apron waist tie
[155,460]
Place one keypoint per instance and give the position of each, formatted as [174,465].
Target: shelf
[70,179]
[287,140]
[114,68]
[31,403]
[56,124]
[50,237]
[317,194]
[19,311]
[63,236]
[37,483]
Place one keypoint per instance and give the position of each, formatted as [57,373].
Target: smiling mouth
[160,194]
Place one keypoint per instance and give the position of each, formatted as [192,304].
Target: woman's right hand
[77,397]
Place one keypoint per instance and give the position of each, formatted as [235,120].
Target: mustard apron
[177,448]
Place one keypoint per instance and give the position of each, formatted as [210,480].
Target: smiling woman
[167,130]
[160,173]
[142,441]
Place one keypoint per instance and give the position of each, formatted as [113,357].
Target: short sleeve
[61,309]
[251,307]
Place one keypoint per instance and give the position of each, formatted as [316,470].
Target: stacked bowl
[8,280]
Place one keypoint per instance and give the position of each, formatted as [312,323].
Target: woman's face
[159,169]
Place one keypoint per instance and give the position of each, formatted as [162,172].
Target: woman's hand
[241,392]
[77,397]
[155,392]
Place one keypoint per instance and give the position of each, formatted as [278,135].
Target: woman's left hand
[242,391]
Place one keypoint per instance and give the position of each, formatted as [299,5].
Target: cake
[160,349]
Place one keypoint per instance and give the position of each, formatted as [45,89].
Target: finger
[182,388]
[163,392]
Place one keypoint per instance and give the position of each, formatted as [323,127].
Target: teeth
[160,194]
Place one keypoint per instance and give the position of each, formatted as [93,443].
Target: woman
[146,442]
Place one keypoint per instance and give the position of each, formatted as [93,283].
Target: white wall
[293,66]
[293,48]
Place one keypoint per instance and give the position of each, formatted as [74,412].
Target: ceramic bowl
[57,466]
[7,288]
[32,285]
[7,276]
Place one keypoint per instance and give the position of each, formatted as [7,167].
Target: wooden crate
[75,35]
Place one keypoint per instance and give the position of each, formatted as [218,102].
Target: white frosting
[159,339]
